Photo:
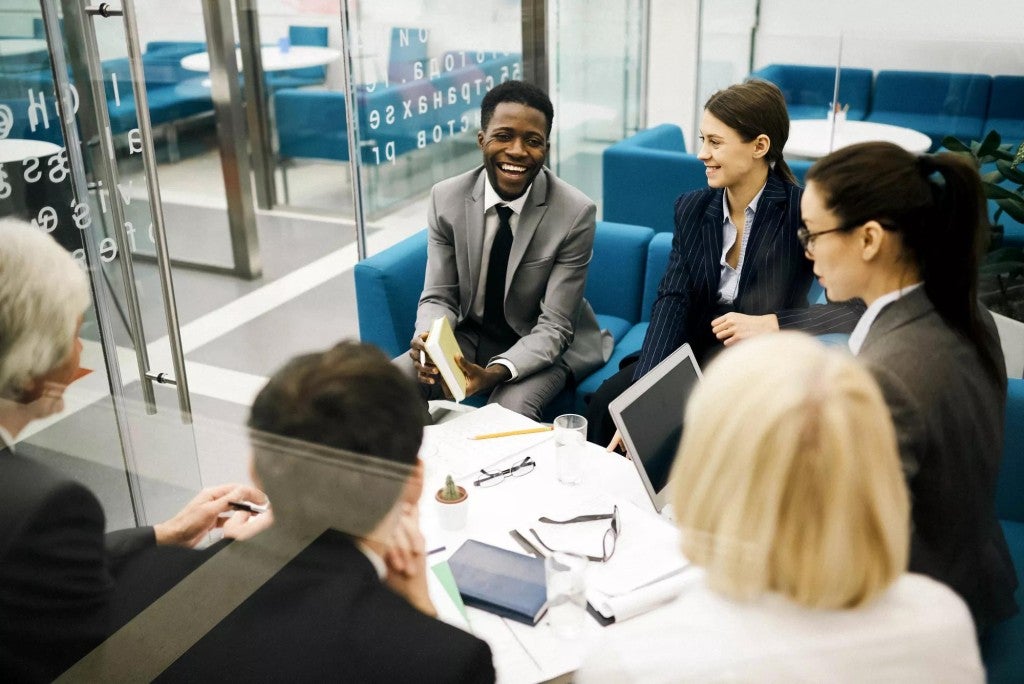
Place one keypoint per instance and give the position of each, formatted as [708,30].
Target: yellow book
[443,348]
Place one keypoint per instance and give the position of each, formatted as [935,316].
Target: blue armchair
[388,287]
[645,173]
[1001,648]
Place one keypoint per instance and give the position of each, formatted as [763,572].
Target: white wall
[672,64]
[933,35]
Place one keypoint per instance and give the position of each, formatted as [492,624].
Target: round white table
[16,149]
[297,57]
[809,138]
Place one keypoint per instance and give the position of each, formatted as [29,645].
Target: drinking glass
[570,444]
[565,577]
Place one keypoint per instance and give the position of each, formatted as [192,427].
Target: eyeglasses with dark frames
[489,479]
[608,543]
[807,238]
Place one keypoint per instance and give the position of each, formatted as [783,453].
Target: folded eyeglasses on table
[489,479]
[611,535]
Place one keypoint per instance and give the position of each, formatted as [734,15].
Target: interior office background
[614,66]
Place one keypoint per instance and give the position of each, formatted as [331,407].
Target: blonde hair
[788,476]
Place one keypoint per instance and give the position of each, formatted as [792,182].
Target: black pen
[249,506]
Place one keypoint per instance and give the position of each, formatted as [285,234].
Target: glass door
[597,83]
[127,428]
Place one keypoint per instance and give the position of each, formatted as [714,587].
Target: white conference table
[523,653]
[811,138]
[17,149]
[273,59]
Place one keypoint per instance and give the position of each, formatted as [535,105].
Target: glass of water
[570,444]
[565,576]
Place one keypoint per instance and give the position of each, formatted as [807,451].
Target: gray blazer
[547,270]
[949,413]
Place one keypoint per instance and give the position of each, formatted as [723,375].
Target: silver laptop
[649,416]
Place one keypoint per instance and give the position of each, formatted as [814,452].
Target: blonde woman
[793,509]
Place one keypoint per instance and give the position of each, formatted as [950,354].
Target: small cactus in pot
[453,503]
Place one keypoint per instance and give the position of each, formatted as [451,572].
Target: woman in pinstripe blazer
[737,268]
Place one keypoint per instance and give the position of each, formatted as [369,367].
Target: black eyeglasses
[524,467]
[611,535]
[807,238]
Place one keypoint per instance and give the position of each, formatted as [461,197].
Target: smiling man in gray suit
[507,256]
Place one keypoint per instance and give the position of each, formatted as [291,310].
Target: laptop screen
[649,415]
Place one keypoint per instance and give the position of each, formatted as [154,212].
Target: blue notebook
[500,581]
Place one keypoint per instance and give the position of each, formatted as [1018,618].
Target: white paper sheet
[647,548]
[638,601]
[449,447]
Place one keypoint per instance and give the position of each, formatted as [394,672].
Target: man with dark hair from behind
[336,587]
[508,248]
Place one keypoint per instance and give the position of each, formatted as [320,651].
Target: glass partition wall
[597,83]
[70,168]
[209,270]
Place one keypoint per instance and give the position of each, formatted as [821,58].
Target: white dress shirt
[378,563]
[729,281]
[491,202]
[868,318]
[6,440]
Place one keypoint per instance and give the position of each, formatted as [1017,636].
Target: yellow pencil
[511,433]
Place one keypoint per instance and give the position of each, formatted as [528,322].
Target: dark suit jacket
[948,414]
[547,270]
[54,569]
[775,278]
[325,616]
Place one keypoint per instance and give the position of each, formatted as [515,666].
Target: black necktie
[494,322]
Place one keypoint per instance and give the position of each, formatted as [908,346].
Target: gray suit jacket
[547,270]
[948,412]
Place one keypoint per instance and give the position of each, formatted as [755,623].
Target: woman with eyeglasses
[905,234]
[794,514]
[736,269]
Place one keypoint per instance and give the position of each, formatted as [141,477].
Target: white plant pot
[452,515]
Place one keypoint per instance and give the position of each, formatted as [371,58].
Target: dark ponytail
[754,108]
[935,203]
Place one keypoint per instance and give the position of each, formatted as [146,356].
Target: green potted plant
[453,505]
[1001,276]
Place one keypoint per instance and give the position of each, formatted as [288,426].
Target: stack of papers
[450,447]
[644,571]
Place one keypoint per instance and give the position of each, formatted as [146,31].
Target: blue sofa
[388,286]
[809,90]
[936,103]
[1002,649]
[1006,109]
[645,173]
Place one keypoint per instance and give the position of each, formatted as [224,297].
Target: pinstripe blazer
[776,275]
